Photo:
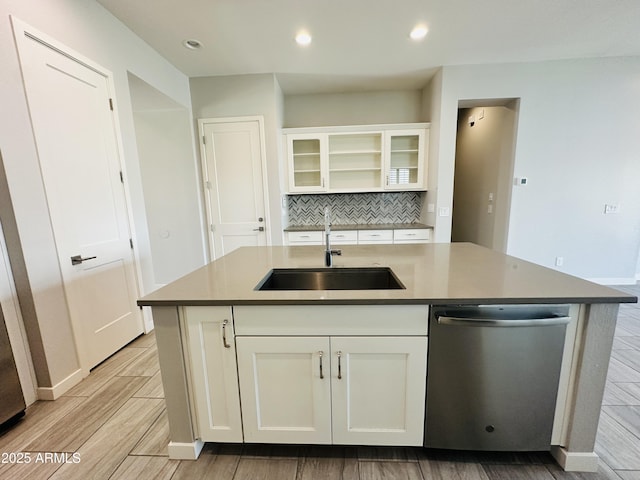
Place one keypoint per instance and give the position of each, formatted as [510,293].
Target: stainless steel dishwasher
[493,374]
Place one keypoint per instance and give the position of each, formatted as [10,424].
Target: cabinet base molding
[185,451]
[575,461]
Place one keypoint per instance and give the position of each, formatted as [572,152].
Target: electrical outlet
[443,211]
[431,207]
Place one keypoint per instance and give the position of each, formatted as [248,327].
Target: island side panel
[593,363]
[183,444]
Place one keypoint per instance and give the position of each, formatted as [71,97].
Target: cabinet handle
[320,353]
[339,365]
[224,334]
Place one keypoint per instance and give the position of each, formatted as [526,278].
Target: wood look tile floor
[113,425]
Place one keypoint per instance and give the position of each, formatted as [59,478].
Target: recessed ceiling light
[303,38]
[418,32]
[192,44]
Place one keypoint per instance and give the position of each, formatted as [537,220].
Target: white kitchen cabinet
[314,237]
[355,161]
[340,390]
[411,235]
[285,389]
[307,162]
[405,168]
[360,237]
[302,381]
[372,237]
[344,237]
[378,390]
[365,158]
[213,373]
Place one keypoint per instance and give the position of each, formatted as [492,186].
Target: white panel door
[212,355]
[75,134]
[378,390]
[285,389]
[233,171]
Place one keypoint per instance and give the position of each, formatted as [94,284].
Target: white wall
[355,108]
[577,143]
[431,112]
[171,184]
[172,201]
[247,95]
[86,28]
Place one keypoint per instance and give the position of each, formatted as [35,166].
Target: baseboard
[575,461]
[52,393]
[185,451]
[614,281]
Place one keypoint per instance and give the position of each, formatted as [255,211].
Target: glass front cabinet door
[307,162]
[405,157]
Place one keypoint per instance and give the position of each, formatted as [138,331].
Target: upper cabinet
[405,165]
[307,162]
[355,161]
[368,158]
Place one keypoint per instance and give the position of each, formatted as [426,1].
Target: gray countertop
[356,226]
[437,273]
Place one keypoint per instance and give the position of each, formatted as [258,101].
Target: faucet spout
[328,252]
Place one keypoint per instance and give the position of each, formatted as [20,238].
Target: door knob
[261,219]
[259,229]
[77,259]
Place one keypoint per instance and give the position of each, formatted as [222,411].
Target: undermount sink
[364,278]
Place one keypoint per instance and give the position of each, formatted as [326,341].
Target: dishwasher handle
[493,322]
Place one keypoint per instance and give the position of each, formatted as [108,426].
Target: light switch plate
[611,208]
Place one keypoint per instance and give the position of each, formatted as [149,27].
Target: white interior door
[235,189]
[74,128]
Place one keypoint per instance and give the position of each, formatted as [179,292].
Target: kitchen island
[301,366]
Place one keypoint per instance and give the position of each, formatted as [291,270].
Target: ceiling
[364,44]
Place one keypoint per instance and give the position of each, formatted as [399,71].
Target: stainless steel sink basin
[365,278]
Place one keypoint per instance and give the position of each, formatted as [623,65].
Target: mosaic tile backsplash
[350,208]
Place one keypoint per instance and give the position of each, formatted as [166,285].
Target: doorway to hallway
[485,147]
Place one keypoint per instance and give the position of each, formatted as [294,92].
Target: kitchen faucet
[328,253]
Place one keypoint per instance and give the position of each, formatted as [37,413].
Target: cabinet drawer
[314,237]
[344,237]
[331,320]
[409,235]
[375,236]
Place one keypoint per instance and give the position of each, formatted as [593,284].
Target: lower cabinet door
[285,389]
[214,376]
[378,390]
